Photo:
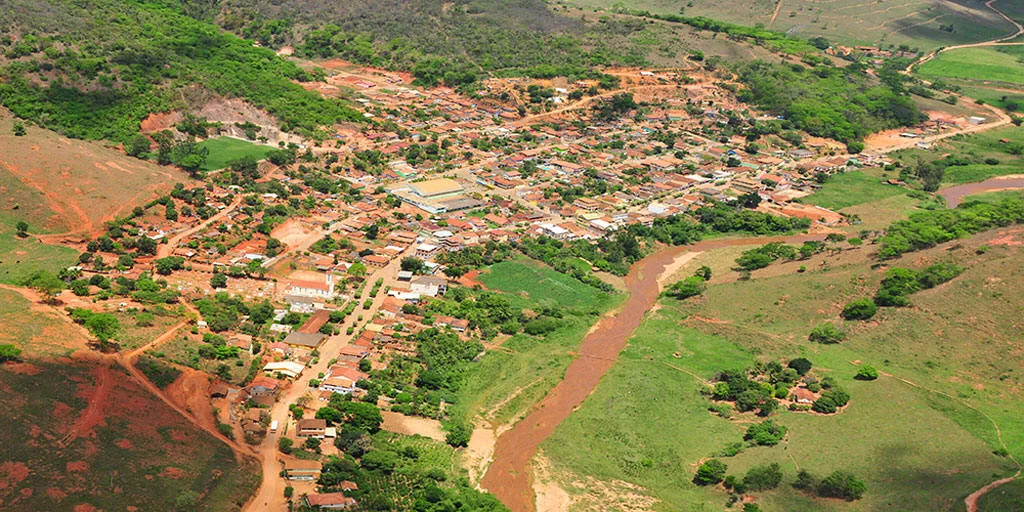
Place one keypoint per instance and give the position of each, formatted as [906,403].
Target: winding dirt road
[509,476]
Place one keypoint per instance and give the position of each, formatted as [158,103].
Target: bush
[801,365]
[458,434]
[9,352]
[766,433]
[710,473]
[860,309]
[764,477]
[284,445]
[689,287]
[826,333]
[830,401]
[841,485]
[866,373]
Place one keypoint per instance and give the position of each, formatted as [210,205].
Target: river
[955,195]
[509,476]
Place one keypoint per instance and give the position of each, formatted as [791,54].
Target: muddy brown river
[509,476]
[955,195]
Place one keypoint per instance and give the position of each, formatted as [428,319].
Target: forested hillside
[454,42]
[94,69]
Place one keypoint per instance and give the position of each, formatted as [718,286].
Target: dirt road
[270,496]
[509,476]
[165,250]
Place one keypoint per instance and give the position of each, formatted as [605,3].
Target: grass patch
[852,188]
[993,197]
[224,150]
[535,283]
[1009,496]
[647,424]
[36,332]
[983,64]
[980,172]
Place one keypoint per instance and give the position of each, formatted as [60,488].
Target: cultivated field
[224,150]
[949,363]
[915,23]
[989,65]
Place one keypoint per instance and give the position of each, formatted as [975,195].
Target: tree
[842,485]
[710,472]
[46,283]
[357,269]
[284,445]
[766,433]
[801,365]
[219,281]
[9,352]
[18,129]
[138,147]
[22,229]
[164,266]
[749,200]
[103,325]
[763,477]
[458,434]
[860,309]
[413,264]
[826,333]
[866,372]
[704,272]
[289,491]
[689,287]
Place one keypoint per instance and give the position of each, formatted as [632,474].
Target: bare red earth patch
[12,473]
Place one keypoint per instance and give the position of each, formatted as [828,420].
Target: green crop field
[921,24]
[541,285]
[224,150]
[507,381]
[646,423]
[975,64]
[853,188]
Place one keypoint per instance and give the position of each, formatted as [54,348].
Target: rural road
[270,496]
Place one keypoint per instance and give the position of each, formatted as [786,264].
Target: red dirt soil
[93,413]
[191,392]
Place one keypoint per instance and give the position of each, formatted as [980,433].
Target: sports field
[853,188]
[224,150]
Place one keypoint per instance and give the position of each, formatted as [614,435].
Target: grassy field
[37,330]
[535,283]
[507,381]
[915,23]
[975,64]
[994,197]
[224,150]
[998,145]
[183,351]
[1007,497]
[647,424]
[120,459]
[853,188]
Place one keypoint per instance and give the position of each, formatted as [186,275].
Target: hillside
[918,24]
[96,69]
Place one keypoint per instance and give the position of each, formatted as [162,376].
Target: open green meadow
[949,363]
[994,197]
[976,64]
[853,188]
[992,153]
[224,150]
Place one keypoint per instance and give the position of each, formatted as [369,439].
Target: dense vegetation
[839,103]
[930,228]
[455,44]
[95,69]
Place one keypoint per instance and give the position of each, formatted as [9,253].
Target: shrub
[9,352]
[284,445]
[860,309]
[764,477]
[826,333]
[689,287]
[710,473]
[800,364]
[841,485]
[866,373]
[766,433]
